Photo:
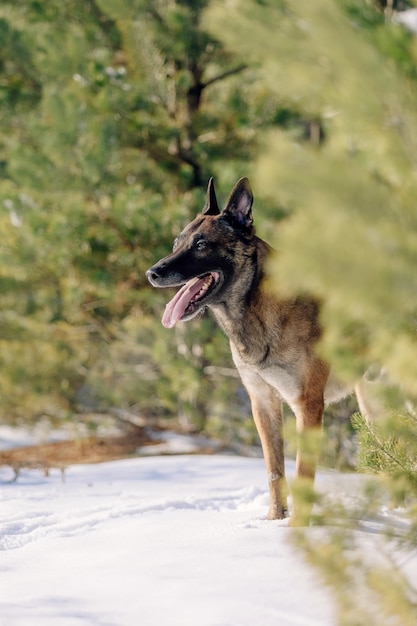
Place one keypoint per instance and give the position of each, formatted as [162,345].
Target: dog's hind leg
[267,413]
[369,402]
[308,410]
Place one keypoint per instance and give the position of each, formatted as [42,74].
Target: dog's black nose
[152,275]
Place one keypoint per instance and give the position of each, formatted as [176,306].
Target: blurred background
[114,114]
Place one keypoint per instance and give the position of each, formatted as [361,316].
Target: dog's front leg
[267,413]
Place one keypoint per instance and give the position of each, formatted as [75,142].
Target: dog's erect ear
[239,205]
[211,207]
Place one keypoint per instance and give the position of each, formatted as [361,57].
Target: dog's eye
[200,244]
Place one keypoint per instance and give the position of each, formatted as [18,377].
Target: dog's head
[207,254]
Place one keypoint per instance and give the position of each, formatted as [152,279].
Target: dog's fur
[220,263]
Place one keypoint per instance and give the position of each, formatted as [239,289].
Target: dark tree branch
[226,74]
[195,92]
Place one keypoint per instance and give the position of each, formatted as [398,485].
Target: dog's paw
[277,512]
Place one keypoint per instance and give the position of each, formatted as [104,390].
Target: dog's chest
[285,378]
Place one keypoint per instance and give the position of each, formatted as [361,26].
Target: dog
[219,262]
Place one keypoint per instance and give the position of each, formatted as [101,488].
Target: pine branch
[383,448]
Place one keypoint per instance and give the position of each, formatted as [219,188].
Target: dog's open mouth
[189,299]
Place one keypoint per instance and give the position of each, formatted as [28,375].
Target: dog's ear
[239,205]
[211,207]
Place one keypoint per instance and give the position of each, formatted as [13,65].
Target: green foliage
[388,448]
[365,571]
[367,590]
[352,233]
[117,113]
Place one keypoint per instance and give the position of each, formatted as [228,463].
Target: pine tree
[342,70]
[117,112]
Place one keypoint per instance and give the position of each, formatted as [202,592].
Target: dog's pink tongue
[175,308]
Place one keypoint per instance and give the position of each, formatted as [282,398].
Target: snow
[168,442]
[155,541]
[408,19]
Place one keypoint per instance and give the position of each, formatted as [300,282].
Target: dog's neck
[238,315]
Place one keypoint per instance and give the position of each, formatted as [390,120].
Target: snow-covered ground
[155,541]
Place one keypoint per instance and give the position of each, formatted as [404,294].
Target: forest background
[114,114]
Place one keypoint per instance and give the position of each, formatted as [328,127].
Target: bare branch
[226,74]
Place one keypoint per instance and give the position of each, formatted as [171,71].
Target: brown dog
[219,262]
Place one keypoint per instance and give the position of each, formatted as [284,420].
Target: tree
[352,235]
[118,112]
